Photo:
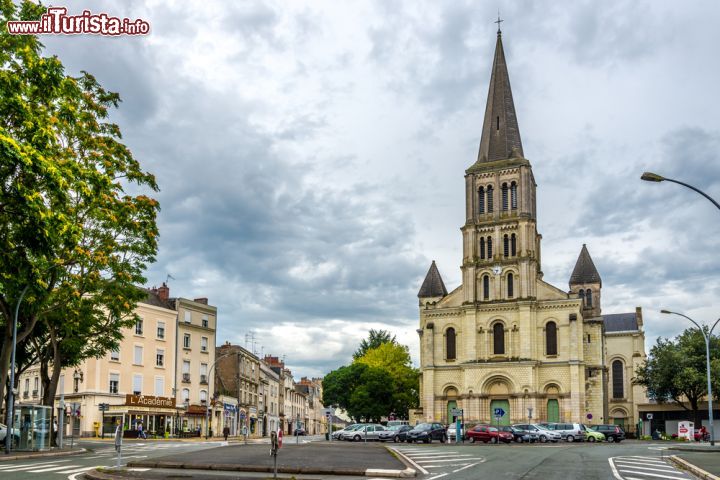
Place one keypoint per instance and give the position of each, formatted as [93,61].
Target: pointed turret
[584,271]
[500,133]
[433,285]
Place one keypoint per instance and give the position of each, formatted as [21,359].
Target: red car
[487,433]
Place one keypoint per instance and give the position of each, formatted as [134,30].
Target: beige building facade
[505,341]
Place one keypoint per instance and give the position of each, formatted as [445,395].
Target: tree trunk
[6,350]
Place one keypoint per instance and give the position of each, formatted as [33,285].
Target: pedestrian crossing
[65,467]
[438,462]
[635,467]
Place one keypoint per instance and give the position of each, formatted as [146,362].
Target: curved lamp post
[11,387]
[707,336]
[654,177]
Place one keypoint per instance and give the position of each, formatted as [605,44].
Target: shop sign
[196,410]
[253,412]
[149,401]
[229,408]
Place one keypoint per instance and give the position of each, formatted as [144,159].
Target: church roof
[433,285]
[585,271]
[500,132]
[620,322]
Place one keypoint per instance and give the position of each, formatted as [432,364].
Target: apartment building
[269,399]
[195,357]
[238,374]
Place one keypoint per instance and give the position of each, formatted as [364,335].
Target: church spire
[500,133]
[584,271]
[433,285]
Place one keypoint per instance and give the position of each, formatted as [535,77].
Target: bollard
[273,451]
[118,443]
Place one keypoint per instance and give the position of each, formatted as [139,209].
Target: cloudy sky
[311,154]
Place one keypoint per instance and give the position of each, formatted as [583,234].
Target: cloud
[311,155]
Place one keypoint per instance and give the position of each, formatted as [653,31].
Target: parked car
[452,432]
[488,433]
[426,432]
[340,433]
[520,435]
[392,423]
[568,431]
[299,432]
[613,433]
[543,434]
[593,436]
[396,433]
[369,431]
[3,434]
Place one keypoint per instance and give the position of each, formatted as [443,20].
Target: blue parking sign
[499,412]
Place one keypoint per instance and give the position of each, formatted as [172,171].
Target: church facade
[505,339]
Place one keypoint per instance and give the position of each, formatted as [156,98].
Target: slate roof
[620,322]
[500,131]
[433,285]
[585,271]
[154,299]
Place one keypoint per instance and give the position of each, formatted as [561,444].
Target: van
[571,432]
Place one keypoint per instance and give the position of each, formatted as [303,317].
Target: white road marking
[8,467]
[623,468]
[78,470]
[456,459]
[53,464]
[410,461]
[52,469]
[463,468]
[655,475]
[437,476]
[644,466]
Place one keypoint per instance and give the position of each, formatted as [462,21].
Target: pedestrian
[141,433]
[226,432]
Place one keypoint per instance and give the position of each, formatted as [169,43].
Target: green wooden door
[553,411]
[505,405]
[451,404]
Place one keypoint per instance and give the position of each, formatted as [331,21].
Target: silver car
[340,434]
[369,431]
[572,432]
[543,433]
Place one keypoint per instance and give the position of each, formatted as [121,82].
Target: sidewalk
[309,458]
[702,460]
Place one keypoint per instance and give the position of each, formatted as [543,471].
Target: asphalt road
[99,454]
[624,461]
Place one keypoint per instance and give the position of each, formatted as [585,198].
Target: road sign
[589,416]
[104,407]
[456,412]
[499,413]
[280,435]
[649,416]
[328,411]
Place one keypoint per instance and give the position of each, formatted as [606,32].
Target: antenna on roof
[167,279]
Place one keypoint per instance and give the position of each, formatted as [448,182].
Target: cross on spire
[499,21]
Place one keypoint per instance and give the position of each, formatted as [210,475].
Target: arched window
[617,379]
[203,396]
[513,245]
[489,248]
[482,247]
[481,200]
[513,196]
[504,196]
[588,298]
[489,198]
[582,296]
[510,286]
[551,339]
[498,339]
[486,287]
[450,344]
[506,245]
[186,394]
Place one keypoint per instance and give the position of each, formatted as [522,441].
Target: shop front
[229,420]
[155,416]
[253,421]
[193,422]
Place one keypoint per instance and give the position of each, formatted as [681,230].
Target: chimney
[163,292]
[202,300]
[638,315]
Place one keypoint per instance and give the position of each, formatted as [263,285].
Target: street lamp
[707,337]
[654,177]
[11,386]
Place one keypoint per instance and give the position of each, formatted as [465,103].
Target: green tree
[675,370]
[68,228]
[374,340]
[395,360]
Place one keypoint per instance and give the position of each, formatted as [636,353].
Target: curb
[230,467]
[43,455]
[695,470]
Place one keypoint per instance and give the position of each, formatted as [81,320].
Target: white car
[451,431]
[3,433]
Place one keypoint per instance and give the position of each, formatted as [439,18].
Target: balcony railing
[203,379]
[186,377]
[35,394]
[26,394]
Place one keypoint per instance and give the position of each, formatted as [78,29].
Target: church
[505,340]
